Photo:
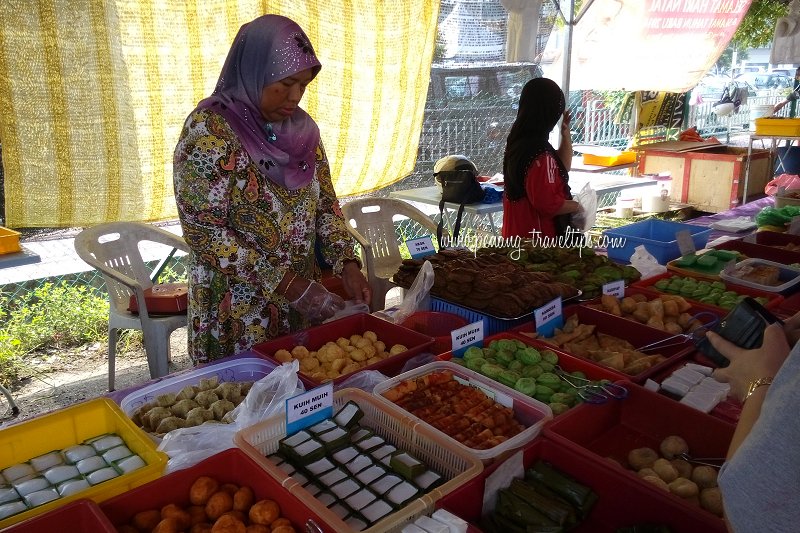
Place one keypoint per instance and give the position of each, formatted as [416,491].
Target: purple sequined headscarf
[266,50]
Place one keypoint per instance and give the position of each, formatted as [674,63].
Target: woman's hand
[355,284]
[565,123]
[749,365]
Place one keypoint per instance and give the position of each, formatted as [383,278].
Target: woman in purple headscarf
[255,199]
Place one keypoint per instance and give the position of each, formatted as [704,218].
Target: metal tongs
[706,461]
[694,334]
[591,391]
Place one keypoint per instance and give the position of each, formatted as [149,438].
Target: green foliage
[758,25]
[54,315]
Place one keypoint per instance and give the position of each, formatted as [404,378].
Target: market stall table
[480,215]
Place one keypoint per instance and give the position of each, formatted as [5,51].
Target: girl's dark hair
[541,104]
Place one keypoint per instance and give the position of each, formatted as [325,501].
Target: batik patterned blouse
[245,232]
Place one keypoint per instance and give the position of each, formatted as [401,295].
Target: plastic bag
[584,219]
[787,181]
[351,307]
[644,262]
[364,380]
[417,298]
[267,397]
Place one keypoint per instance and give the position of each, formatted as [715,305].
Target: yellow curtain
[93,96]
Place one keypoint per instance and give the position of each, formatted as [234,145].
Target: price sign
[419,248]
[469,335]
[685,242]
[548,317]
[308,408]
[615,288]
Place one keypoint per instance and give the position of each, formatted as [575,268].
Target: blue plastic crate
[657,236]
[491,324]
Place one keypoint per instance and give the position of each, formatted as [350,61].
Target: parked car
[766,81]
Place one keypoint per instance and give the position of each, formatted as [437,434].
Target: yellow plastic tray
[73,425]
[778,126]
[609,160]
[393,424]
[9,241]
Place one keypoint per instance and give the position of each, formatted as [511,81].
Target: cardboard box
[711,178]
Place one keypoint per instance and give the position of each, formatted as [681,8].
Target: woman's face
[280,99]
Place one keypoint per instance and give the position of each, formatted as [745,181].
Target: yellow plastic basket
[609,160]
[73,425]
[9,241]
[778,126]
[394,425]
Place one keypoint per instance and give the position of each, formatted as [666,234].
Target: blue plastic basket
[657,236]
[491,324]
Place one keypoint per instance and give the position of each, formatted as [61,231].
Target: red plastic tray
[635,333]
[76,517]
[765,246]
[645,418]
[622,501]
[314,337]
[774,299]
[727,410]
[789,306]
[437,324]
[229,466]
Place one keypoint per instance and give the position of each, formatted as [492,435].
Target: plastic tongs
[694,334]
[591,391]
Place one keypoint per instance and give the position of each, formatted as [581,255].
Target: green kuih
[528,355]
[526,386]
[473,352]
[491,370]
[475,363]
[508,377]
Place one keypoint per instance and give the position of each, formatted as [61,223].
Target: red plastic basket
[76,517]
[622,501]
[435,324]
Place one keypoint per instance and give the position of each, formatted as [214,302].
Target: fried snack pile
[667,312]
[207,402]
[460,411]
[344,356]
[488,282]
[582,340]
[214,508]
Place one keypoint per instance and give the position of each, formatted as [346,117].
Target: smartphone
[744,326]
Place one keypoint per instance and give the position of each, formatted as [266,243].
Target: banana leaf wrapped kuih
[547,500]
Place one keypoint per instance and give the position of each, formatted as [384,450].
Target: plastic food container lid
[789,277]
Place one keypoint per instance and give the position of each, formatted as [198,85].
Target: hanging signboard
[651,45]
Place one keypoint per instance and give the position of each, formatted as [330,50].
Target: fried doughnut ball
[230,488]
[258,528]
[673,446]
[283,529]
[705,477]
[146,520]
[197,513]
[238,515]
[182,518]
[228,524]
[203,527]
[202,489]
[218,504]
[168,525]
[264,512]
[642,458]
[280,522]
[243,499]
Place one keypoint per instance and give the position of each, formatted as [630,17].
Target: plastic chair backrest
[113,249]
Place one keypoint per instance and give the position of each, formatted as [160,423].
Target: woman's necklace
[271,137]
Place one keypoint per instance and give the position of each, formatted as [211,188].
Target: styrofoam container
[621,501]
[637,334]
[531,413]
[789,277]
[611,430]
[395,426]
[79,516]
[249,369]
[657,236]
[316,336]
[72,425]
[229,466]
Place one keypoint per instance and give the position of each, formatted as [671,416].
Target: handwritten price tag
[469,335]
[419,248]
[548,317]
[615,288]
[308,408]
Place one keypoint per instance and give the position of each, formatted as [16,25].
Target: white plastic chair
[113,249]
[371,222]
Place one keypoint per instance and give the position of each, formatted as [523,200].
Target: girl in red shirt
[537,200]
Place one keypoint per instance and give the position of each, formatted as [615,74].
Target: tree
[758,25]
